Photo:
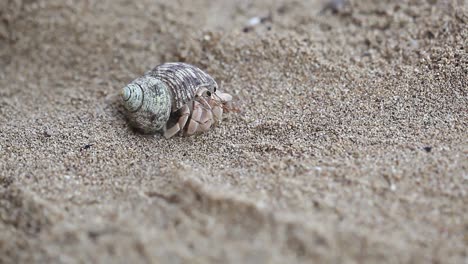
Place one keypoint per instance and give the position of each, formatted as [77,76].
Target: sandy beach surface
[349,141]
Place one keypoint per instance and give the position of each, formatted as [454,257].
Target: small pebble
[427,149]
[87,146]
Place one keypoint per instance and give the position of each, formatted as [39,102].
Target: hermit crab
[174,98]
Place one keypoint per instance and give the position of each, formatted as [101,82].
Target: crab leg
[205,121]
[196,115]
[185,113]
[202,117]
[217,113]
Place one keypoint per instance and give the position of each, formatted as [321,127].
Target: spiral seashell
[170,91]
[148,103]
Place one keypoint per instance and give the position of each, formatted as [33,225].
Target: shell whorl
[148,103]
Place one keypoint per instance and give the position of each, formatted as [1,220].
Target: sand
[349,141]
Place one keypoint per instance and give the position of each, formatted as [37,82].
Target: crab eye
[214,90]
[208,93]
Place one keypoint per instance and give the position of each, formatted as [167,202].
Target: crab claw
[218,103]
[223,97]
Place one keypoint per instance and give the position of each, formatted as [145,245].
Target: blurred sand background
[350,145]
